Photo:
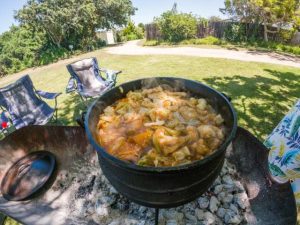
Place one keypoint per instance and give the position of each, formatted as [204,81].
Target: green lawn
[261,93]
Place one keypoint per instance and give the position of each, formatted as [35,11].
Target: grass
[9,221]
[261,93]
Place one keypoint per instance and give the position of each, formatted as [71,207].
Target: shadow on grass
[260,101]
[282,56]
[2,219]
[71,109]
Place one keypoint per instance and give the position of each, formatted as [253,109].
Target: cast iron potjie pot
[162,187]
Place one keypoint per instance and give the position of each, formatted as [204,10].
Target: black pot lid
[27,175]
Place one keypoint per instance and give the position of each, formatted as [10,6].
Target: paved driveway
[132,48]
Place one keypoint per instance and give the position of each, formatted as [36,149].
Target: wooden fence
[216,29]
[152,32]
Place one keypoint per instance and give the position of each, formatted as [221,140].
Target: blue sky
[147,9]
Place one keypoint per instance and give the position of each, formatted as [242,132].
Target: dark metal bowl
[162,187]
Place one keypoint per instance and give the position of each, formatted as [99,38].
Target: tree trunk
[265,32]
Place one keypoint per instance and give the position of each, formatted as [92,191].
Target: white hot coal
[95,201]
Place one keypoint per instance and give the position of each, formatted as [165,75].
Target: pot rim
[138,168]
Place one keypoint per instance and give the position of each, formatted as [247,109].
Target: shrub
[130,37]
[275,46]
[296,50]
[131,32]
[286,35]
[51,54]
[176,27]
[151,43]
[209,40]
[2,71]
[142,27]
[22,48]
[235,33]
[18,48]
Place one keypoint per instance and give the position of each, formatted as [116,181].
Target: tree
[19,49]
[214,19]
[142,27]
[278,13]
[74,22]
[174,8]
[132,32]
[240,10]
[269,13]
[176,27]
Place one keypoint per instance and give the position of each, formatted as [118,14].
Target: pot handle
[80,119]
[226,96]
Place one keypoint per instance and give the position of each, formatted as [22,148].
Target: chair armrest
[47,95]
[110,71]
[111,75]
[71,86]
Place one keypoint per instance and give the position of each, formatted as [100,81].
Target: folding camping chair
[87,81]
[25,105]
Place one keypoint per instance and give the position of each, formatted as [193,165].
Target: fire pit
[79,192]
[162,187]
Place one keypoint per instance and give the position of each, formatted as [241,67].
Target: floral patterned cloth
[284,145]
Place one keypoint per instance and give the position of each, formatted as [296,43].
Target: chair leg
[56,110]
[83,100]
